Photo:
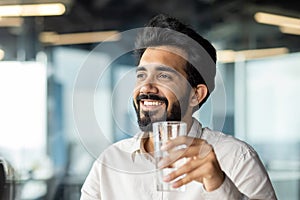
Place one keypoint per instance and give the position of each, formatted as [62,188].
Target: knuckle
[189,166]
[189,141]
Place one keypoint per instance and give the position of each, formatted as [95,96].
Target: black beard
[146,122]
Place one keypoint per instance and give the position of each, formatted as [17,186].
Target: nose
[148,88]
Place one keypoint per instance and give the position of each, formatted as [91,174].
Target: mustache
[152,97]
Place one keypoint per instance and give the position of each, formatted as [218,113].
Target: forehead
[164,56]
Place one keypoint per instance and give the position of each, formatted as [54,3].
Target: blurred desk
[69,188]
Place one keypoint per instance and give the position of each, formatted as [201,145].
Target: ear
[198,94]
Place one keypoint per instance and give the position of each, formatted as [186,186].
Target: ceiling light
[262,53]
[32,10]
[278,20]
[290,30]
[11,21]
[1,54]
[228,56]
[53,38]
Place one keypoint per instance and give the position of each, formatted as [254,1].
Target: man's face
[162,91]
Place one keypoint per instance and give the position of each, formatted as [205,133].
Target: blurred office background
[67,73]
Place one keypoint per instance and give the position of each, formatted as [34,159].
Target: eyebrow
[159,68]
[140,68]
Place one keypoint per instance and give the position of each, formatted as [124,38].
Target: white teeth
[152,103]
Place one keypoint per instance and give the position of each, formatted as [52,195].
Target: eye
[140,76]
[164,76]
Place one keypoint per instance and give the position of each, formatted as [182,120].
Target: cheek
[177,99]
[134,96]
[136,89]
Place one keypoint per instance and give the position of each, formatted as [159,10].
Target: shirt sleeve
[91,187]
[227,191]
[247,181]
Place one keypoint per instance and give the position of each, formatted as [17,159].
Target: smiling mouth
[151,102]
[151,105]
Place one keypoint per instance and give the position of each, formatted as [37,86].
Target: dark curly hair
[201,60]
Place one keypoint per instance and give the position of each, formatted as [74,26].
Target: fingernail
[175,185]
[166,178]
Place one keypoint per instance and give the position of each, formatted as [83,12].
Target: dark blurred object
[69,188]
[2,181]
[7,183]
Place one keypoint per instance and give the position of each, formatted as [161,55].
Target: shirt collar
[139,139]
[137,142]
[138,146]
[196,129]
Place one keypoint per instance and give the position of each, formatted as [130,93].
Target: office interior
[67,75]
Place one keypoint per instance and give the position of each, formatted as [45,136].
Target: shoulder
[233,154]
[125,145]
[230,151]
[227,143]
[117,153]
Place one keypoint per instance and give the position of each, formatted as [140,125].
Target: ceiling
[92,15]
[230,24]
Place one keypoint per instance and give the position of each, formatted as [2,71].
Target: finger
[178,141]
[199,151]
[181,140]
[176,155]
[204,150]
[184,169]
[190,165]
[193,175]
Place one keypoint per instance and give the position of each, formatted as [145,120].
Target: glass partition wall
[267,116]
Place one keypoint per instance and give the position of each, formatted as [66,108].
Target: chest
[139,183]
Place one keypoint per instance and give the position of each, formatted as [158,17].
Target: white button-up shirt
[124,171]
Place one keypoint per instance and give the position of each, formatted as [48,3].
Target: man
[174,77]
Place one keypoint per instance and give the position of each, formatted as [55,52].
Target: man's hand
[201,164]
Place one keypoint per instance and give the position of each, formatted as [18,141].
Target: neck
[149,144]
[189,123]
